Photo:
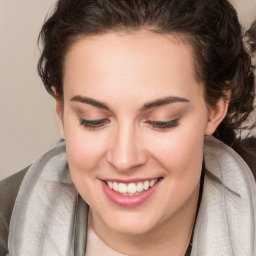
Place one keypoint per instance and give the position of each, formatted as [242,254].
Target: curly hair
[211,27]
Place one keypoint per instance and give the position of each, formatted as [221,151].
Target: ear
[217,113]
[59,111]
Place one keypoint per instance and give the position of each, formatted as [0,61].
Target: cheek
[84,157]
[187,146]
[84,151]
[182,159]
[182,156]
[181,152]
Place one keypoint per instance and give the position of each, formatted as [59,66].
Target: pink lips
[126,200]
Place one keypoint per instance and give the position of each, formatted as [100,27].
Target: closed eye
[93,124]
[163,125]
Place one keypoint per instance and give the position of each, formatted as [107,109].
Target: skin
[125,72]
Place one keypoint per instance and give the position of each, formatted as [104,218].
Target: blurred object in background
[250,43]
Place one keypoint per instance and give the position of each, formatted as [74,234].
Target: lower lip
[129,201]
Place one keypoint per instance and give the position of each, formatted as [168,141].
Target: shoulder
[9,188]
[246,148]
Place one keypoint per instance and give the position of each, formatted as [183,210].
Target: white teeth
[110,184]
[131,188]
[115,186]
[152,182]
[146,185]
[140,187]
[122,188]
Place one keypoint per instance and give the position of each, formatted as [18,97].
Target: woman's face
[134,116]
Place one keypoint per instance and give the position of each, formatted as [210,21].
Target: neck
[172,235]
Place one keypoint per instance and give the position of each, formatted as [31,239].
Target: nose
[126,151]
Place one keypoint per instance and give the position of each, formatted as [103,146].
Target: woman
[140,88]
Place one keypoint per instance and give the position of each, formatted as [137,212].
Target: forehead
[110,45]
[128,59]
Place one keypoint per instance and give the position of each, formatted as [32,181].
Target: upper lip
[130,180]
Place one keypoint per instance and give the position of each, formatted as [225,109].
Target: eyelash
[162,125]
[94,124]
[157,125]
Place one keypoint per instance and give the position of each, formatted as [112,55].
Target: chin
[131,223]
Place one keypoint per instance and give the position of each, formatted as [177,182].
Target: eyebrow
[89,101]
[156,103]
[164,101]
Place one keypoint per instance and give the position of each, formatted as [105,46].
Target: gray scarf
[43,218]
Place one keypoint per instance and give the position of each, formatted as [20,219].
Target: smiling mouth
[133,188]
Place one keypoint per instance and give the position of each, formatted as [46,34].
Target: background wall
[246,10]
[28,124]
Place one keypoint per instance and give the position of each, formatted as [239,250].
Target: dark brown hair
[210,26]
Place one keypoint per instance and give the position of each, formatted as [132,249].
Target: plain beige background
[28,124]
